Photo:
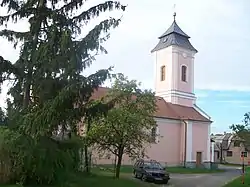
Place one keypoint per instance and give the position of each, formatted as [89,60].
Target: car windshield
[152,165]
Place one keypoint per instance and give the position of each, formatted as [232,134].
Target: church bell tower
[174,66]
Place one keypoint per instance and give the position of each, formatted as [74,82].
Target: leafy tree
[221,156]
[127,127]
[243,130]
[95,109]
[47,80]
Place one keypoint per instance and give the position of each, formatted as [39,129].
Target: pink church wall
[200,140]
[168,149]
[163,58]
[170,146]
[185,86]
[184,101]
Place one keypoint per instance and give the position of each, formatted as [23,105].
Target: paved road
[201,180]
[204,180]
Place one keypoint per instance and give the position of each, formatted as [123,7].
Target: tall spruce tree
[47,80]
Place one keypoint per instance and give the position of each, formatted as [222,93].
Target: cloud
[237,102]
[3,94]
[221,39]
[244,106]
[226,94]
[199,94]
[200,102]
[226,87]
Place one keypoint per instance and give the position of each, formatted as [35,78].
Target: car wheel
[166,182]
[135,175]
[144,178]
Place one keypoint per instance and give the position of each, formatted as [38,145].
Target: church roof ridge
[165,109]
[174,28]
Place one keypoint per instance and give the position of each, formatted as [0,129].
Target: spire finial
[174,12]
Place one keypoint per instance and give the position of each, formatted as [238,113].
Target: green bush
[39,160]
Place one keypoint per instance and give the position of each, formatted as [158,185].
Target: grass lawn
[238,181]
[102,176]
[229,164]
[181,170]
[98,180]
[105,181]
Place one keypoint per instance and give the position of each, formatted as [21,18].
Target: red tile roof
[165,109]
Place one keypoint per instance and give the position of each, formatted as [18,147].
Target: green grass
[181,170]
[103,176]
[238,181]
[230,164]
[110,168]
[105,181]
[97,180]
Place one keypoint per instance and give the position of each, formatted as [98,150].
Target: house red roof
[165,109]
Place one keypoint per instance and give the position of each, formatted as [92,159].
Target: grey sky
[218,29]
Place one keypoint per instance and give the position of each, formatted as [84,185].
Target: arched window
[163,73]
[184,73]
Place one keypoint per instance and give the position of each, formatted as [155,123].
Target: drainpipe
[185,143]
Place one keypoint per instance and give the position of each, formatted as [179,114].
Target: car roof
[147,161]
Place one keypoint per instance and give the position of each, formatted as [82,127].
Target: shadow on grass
[92,180]
[180,170]
[97,180]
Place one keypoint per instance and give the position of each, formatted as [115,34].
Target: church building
[183,128]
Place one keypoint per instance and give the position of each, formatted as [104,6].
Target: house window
[229,153]
[153,135]
[236,143]
[184,73]
[244,153]
[163,73]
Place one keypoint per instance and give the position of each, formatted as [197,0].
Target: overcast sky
[219,29]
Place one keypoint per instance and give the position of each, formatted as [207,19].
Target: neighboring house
[229,149]
[183,129]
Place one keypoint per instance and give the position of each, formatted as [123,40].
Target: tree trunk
[115,163]
[87,169]
[26,96]
[86,157]
[119,163]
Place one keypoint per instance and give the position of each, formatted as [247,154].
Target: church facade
[183,129]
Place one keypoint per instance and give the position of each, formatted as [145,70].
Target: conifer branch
[96,10]
[12,4]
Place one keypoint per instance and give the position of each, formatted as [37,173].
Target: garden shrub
[40,160]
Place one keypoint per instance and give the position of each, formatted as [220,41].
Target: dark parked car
[151,171]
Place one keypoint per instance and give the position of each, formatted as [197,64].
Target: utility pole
[243,167]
